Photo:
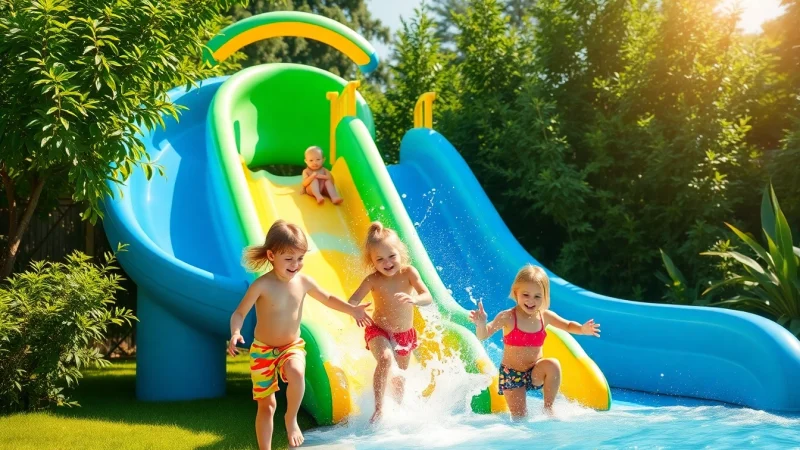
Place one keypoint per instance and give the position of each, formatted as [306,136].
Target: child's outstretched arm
[363,289]
[237,318]
[423,298]
[484,330]
[335,303]
[589,328]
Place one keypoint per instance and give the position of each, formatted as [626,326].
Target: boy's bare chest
[288,301]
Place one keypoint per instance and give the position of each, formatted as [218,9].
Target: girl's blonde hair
[533,274]
[281,237]
[377,234]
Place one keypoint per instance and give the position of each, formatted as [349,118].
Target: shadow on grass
[110,395]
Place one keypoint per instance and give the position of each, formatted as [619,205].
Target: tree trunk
[18,229]
[11,196]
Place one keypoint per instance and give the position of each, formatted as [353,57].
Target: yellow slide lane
[334,260]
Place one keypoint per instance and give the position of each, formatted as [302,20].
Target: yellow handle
[342,105]
[423,111]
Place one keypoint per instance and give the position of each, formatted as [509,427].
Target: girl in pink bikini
[396,288]
[523,368]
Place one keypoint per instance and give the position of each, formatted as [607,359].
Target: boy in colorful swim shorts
[277,349]
[396,287]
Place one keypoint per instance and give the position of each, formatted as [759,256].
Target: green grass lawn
[110,417]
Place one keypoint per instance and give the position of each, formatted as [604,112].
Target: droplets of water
[431,203]
[472,297]
[437,398]
[627,425]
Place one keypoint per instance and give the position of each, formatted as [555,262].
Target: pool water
[636,421]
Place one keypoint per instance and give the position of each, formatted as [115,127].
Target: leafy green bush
[770,283]
[50,318]
[679,292]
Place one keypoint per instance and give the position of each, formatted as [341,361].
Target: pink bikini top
[520,338]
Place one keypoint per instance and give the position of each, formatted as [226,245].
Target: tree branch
[16,238]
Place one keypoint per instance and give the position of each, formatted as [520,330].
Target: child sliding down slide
[396,288]
[523,368]
[317,180]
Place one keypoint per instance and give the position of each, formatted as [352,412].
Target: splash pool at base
[636,421]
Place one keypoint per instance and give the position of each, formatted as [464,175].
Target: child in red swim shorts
[396,287]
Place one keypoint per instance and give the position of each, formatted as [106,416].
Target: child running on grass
[396,288]
[277,348]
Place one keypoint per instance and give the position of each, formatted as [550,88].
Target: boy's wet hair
[377,234]
[281,237]
[533,274]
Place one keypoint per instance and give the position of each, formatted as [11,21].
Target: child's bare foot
[293,433]
[376,416]
[548,410]
[320,200]
[337,200]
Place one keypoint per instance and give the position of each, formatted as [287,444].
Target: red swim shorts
[405,341]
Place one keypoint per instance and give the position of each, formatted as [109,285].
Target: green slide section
[270,114]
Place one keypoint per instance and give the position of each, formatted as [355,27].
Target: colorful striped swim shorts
[267,362]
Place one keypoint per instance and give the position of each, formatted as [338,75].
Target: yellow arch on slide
[292,24]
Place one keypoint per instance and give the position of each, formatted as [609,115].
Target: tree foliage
[419,65]
[604,130]
[80,80]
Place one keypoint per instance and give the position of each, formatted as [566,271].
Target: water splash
[472,297]
[431,203]
[441,388]
[627,425]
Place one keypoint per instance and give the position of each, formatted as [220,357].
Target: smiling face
[314,159]
[386,258]
[286,264]
[529,296]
